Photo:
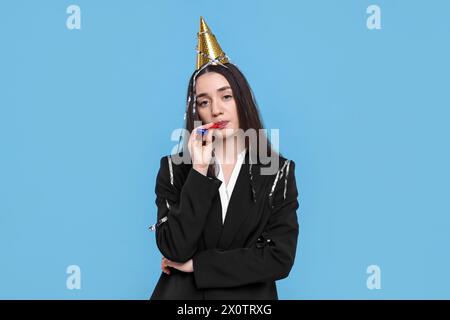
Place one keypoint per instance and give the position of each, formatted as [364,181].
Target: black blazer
[240,259]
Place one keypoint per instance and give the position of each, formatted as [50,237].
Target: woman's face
[215,102]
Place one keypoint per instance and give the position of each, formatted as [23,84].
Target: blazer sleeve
[267,260]
[184,211]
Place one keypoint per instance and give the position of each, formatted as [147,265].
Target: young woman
[226,228]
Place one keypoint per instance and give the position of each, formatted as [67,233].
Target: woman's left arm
[268,261]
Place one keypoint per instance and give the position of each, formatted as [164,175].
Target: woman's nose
[216,109]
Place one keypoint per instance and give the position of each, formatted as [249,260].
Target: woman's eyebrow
[218,90]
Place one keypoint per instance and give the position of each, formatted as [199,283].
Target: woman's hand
[201,155]
[164,266]
[187,266]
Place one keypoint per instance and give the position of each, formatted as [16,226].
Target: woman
[226,228]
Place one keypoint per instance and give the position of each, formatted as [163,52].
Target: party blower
[217,125]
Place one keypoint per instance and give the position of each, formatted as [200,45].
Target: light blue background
[85,116]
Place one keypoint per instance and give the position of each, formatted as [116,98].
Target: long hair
[247,108]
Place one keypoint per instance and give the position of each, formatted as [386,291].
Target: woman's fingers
[182,266]
[209,136]
[171,264]
[165,268]
[200,145]
[196,138]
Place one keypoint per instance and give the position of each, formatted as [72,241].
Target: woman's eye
[228,96]
[203,103]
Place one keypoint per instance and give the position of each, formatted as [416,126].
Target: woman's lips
[220,124]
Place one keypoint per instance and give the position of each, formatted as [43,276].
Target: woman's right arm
[185,211]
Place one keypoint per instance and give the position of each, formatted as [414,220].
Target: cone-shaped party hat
[208,49]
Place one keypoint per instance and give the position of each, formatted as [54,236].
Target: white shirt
[225,191]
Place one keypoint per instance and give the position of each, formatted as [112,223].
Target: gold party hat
[208,49]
